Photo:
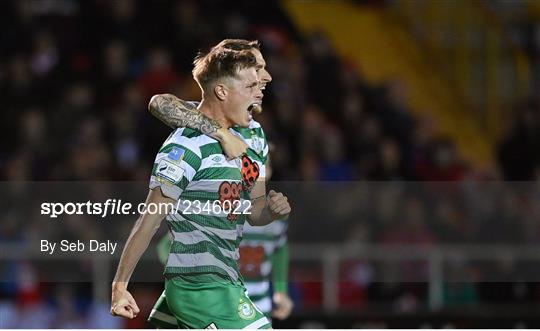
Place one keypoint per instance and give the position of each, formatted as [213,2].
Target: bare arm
[177,113]
[122,303]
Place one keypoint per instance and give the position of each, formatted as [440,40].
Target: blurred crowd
[488,221]
[75,79]
[517,153]
[77,76]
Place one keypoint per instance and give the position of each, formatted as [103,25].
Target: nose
[265,76]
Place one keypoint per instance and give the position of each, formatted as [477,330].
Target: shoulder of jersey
[190,138]
[245,132]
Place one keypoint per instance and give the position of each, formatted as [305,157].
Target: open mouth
[254,108]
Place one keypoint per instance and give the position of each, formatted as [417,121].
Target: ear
[221,91]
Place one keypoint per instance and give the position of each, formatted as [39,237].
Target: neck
[214,110]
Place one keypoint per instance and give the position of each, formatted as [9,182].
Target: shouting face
[243,92]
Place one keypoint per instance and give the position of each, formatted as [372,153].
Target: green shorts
[188,303]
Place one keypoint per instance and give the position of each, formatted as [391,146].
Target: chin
[244,124]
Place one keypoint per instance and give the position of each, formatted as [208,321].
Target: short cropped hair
[220,63]
[239,44]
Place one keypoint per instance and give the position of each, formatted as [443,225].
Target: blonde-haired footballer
[203,285]
[264,256]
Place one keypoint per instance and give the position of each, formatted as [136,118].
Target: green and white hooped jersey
[207,223]
[255,138]
[269,237]
[212,195]
[258,246]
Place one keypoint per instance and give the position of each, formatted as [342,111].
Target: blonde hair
[219,63]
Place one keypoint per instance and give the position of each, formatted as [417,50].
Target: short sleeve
[175,165]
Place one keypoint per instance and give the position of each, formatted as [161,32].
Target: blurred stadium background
[427,112]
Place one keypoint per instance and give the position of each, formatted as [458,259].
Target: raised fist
[278,205]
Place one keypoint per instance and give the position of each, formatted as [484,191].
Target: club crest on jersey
[176,154]
[257,144]
[245,310]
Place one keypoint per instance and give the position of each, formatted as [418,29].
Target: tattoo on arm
[178,113]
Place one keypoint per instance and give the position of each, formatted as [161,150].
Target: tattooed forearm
[178,113]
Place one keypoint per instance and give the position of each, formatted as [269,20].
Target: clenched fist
[123,304]
[283,306]
[278,205]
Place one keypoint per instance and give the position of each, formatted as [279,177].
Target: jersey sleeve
[280,269]
[175,165]
[281,240]
[280,259]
